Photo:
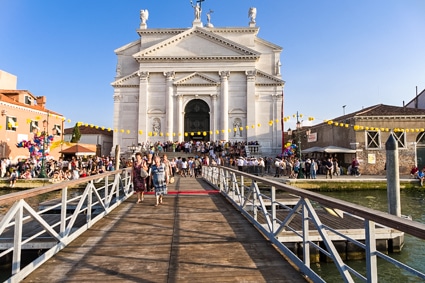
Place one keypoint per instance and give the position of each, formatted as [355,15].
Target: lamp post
[44,134]
[133,149]
[298,126]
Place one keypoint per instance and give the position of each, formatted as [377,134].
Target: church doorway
[197,121]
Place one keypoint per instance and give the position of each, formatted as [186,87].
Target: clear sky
[356,53]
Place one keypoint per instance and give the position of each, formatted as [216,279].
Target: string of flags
[270,123]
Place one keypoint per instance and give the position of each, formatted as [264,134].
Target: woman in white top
[184,167]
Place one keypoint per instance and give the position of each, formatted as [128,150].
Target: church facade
[198,83]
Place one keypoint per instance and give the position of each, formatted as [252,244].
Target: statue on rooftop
[209,24]
[144,15]
[197,10]
[252,14]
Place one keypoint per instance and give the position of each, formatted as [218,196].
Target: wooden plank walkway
[193,237]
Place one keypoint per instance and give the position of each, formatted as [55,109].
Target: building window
[373,139]
[11,123]
[400,137]
[34,127]
[28,100]
[421,138]
[57,130]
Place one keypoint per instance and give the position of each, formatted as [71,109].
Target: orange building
[23,117]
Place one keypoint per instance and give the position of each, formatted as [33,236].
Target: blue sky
[354,53]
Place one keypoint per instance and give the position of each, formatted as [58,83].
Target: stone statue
[144,15]
[197,9]
[156,125]
[252,14]
[209,16]
[209,24]
[278,64]
[237,124]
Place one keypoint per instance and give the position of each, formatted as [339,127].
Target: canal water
[413,252]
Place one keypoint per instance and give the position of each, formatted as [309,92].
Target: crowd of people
[204,153]
[197,147]
[57,170]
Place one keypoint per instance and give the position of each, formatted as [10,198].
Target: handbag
[143,173]
[171,180]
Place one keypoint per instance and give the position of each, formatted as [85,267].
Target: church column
[169,103]
[250,103]
[142,115]
[180,117]
[214,117]
[224,75]
[117,120]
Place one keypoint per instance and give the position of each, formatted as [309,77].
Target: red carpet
[199,192]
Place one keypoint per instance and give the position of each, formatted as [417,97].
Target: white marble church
[200,83]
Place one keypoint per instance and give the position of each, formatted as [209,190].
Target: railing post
[371,258]
[254,206]
[89,203]
[241,186]
[222,178]
[227,181]
[273,207]
[107,203]
[64,207]
[17,245]
[306,232]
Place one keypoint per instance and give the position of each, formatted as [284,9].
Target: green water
[413,253]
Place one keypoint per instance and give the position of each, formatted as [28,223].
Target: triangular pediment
[132,80]
[196,79]
[197,44]
[265,79]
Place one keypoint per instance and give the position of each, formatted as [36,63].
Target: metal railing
[62,220]
[262,207]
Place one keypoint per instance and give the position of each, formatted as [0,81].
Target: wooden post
[117,157]
[393,178]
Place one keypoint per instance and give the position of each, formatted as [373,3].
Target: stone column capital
[144,75]
[170,75]
[224,75]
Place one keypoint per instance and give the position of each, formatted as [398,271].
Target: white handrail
[242,190]
[98,198]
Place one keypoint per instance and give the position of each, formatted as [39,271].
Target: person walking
[159,179]
[329,168]
[313,169]
[355,167]
[139,183]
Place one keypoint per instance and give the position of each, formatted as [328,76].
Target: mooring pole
[393,177]
[117,157]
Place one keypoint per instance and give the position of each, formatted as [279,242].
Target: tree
[76,135]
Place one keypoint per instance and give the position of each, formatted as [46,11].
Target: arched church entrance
[197,120]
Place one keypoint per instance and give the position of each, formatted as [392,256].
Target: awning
[78,150]
[337,149]
[312,149]
[328,149]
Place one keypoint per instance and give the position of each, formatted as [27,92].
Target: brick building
[367,131]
